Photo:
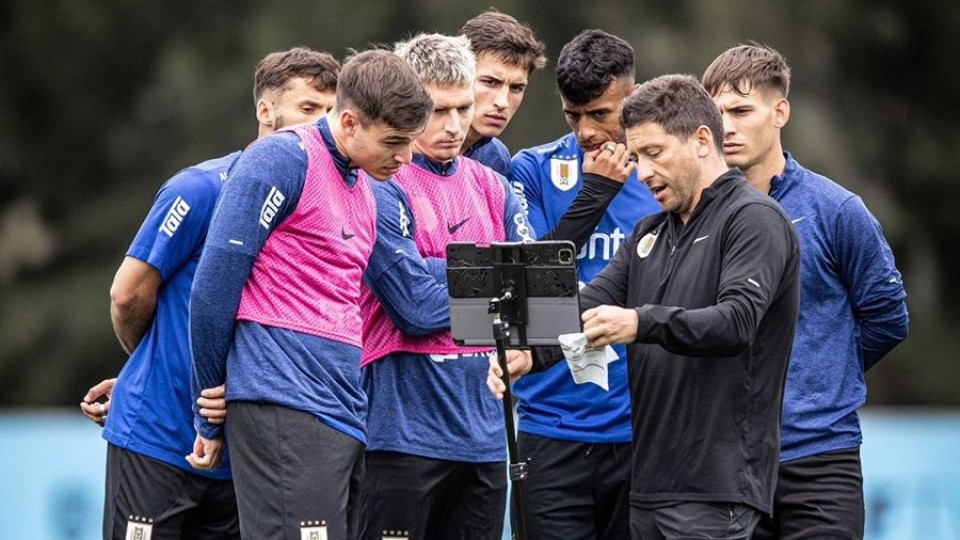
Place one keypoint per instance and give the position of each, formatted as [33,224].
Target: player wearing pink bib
[452,207]
[435,444]
[321,250]
[275,304]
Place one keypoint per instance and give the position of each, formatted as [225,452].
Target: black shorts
[419,498]
[708,520]
[575,490]
[819,496]
[295,476]
[152,500]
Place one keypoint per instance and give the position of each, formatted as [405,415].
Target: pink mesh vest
[307,277]
[465,207]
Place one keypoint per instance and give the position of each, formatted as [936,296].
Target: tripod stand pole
[518,469]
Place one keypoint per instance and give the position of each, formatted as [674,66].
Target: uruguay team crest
[564,173]
[645,245]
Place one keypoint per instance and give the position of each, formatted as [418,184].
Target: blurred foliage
[101,101]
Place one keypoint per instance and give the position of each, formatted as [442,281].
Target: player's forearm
[415,300]
[879,335]
[210,339]
[214,300]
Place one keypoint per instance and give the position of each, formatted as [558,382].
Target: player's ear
[265,113]
[781,111]
[348,121]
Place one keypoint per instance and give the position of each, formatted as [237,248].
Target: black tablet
[541,278]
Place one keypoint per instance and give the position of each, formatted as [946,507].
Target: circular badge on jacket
[645,245]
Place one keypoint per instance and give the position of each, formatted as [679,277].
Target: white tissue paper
[586,363]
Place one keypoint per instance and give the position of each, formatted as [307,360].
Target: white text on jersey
[270,207]
[174,216]
[404,221]
[602,245]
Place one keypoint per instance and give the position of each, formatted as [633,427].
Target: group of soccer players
[302,280]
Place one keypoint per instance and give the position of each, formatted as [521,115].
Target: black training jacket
[717,301]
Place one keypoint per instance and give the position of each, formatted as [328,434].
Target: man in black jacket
[705,294]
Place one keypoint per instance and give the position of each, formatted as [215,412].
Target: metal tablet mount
[509,309]
[514,279]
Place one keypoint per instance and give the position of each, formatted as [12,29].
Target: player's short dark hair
[747,66]
[590,63]
[678,103]
[380,86]
[276,69]
[506,38]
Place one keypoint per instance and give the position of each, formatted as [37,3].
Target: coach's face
[668,165]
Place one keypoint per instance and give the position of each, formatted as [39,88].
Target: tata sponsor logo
[178,210]
[403,220]
[518,190]
[523,228]
[271,206]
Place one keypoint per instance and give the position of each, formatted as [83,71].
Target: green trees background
[103,100]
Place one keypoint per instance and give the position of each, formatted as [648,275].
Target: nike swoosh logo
[798,220]
[695,240]
[345,234]
[454,228]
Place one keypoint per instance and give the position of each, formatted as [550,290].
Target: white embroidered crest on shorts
[313,530]
[395,535]
[139,528]
[564,173]
[645,245]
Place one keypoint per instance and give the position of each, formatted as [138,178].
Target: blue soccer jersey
[550,404]
[150,411]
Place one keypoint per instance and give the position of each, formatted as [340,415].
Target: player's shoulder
[498,146]
[492,152]
[559,160]
[563,148]
[276,147]
[216,165]
[811,187]
[206,177]
[387,190]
